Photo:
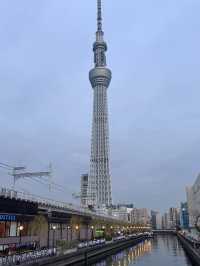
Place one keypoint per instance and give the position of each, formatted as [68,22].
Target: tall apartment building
[184,216]
[174,217]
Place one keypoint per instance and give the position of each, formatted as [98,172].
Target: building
[153,219]
[127,205]
[158,221]
[84,189]
[193,199]
[121,213]
[165,221]
[99,181]
[184,216]
[28,221]
[140,216]
[174,218]
[16,218]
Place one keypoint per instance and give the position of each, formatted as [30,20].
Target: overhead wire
[6,165]
[49,184]
[53,185]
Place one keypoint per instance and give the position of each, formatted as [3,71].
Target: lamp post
[111,231]
[78,231]
[92,228]
[54,229]
[103,227]
[68,227]
[21,228]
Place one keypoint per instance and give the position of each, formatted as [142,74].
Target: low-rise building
[140,216]
[121,213]
[84,189]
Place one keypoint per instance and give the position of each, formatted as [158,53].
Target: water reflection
[128,256]
[160,251]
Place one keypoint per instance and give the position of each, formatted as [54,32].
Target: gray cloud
[46,99]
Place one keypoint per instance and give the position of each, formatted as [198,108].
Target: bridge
[50,205]
[164,231]
[46,221]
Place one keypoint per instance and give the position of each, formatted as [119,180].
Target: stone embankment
[191,248]
[90,255]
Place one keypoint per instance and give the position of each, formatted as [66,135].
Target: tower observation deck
[99,180]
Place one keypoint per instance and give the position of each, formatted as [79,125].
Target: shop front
[15,219]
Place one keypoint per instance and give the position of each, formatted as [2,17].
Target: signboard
[7,218]
[99,233]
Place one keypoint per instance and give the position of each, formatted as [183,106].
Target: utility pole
[15,171]
[19,172]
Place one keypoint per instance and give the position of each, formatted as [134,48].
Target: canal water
[160,251]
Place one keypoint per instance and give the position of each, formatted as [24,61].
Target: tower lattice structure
[99,181]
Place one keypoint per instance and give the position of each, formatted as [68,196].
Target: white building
[193,201]
[121,213]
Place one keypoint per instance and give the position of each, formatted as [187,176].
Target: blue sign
[7,218]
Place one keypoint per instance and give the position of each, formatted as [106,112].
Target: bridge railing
[18,195]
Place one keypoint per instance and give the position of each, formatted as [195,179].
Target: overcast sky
[154,110]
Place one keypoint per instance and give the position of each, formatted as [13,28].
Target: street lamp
[54,229]
[77,229]
[68,227]
[103,227]
[92,228]
[21,228]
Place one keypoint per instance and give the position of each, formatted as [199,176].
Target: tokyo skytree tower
[99,180]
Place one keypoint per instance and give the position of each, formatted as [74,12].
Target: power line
[44,184]
[52,185]
[6,165]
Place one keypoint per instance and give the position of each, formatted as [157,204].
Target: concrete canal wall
[90,255]
[190,250]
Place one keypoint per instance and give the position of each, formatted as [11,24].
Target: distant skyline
[46,98]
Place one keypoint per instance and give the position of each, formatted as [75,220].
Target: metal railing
[42,201]
[17,239]
[26,257]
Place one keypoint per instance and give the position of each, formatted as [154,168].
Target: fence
[26,257]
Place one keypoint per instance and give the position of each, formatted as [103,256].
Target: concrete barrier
[89,255]
[189,249]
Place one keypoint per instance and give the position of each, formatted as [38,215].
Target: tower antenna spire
[99,15]
[99,180]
